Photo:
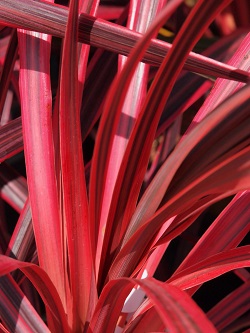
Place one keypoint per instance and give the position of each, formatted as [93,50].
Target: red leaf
[11,139]
[31,16]
[74,196]
[129,111]
[177,310]
[106,132]
[43,285]
[39,153]
[212,267]
[231,307]
[8,66]
[223,233]
[224,88]
[205,190]
[17,314]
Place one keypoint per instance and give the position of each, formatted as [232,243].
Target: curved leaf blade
[176,309]
[44,286]
[212,267]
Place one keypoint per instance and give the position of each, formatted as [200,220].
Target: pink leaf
[43,284]
[39,153]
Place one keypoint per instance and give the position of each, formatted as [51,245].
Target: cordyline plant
[129,148]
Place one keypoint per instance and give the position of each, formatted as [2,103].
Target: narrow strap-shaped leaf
[87,7]
[231,307]
[23,236]
[16,312]
[106,132]
[226,311]
[219,182]
[101,71]
[135,96]
[158,103]
[11,139]
[74,196]
[222,89]
[131,174]
[38,19]
[177,310]
[44,286]
[8,66]
[212,267]
[144,210]
[39,152]
[224,233]
[135,243]
[189,87]
[13,187]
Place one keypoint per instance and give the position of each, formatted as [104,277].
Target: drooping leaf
[17,313]
[223,233]
[177,311]
[233,306]
[207,185]
[44,286]
[212,267]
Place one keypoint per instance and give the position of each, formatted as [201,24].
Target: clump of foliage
[134,199]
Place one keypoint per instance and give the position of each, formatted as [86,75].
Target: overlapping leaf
[114,38]
[129,112]
[177,311]
[43,284]
[132,170]
[215,182]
